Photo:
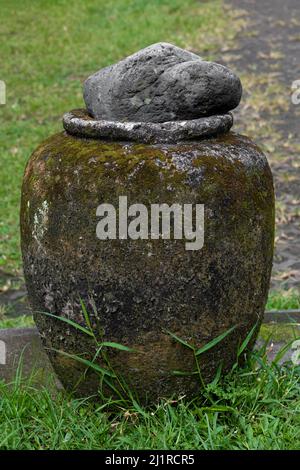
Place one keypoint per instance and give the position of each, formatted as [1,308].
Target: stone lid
[159,94]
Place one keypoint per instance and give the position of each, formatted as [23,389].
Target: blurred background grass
[47,50]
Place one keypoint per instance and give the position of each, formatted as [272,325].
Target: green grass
[284,300]
[24,321]
[50,47]
[254,408]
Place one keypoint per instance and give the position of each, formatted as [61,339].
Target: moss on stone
[143,287]
[279,332]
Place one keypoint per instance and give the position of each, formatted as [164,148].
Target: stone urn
[152,215]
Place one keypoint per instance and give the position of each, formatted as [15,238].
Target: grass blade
[246,340]
[217,376]
[86,315]
[179,340]
[179,373]
[214,342]
[70,322]
[284,350]
[264,365]
[218,408]
[87,363]
[121,347]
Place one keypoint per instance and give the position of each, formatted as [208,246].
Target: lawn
[257,407]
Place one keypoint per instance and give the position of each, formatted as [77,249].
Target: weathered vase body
[136,291]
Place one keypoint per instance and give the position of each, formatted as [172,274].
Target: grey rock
[136,290]
[161,83]
[79,123]
[21,350]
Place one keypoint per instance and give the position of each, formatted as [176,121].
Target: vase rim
[80,123]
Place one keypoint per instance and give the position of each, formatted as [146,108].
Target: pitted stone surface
[161,83]
[136,291]
[79,123]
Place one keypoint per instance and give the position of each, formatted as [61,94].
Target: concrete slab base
[21,350]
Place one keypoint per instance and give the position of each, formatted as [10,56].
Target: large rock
[138,290]
[161,83]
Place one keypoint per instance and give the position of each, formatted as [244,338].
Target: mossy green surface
[279,332]
[135,290]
